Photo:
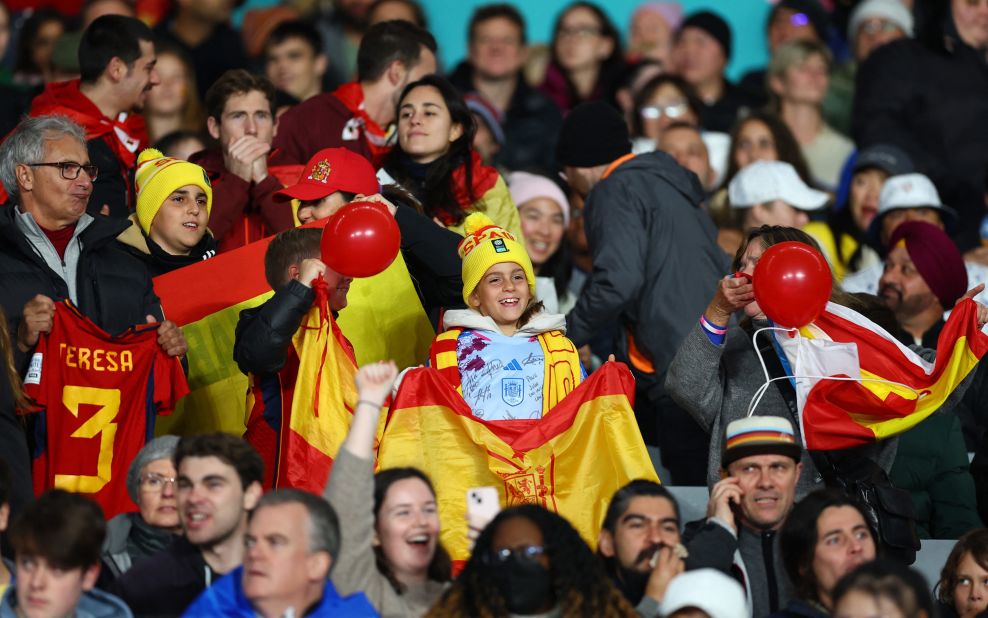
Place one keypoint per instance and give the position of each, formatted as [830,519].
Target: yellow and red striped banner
[842,343]
[571,461]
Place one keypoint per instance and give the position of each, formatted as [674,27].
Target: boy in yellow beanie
[508,357]
[174,198]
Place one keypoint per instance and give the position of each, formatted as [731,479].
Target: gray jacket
[714,543]
[656,262]
[350,491]
[715,385]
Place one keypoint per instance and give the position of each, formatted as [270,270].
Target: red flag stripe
[191,293]
[519,435]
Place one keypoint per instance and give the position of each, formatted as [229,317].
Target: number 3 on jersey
[99,424]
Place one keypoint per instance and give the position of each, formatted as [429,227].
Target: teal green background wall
[448,21]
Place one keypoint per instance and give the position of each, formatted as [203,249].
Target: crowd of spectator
[580,223]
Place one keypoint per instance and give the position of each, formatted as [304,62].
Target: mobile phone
[483,504]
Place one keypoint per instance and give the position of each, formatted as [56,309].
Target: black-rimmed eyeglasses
[70,170]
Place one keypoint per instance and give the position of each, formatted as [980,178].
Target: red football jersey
[99,396]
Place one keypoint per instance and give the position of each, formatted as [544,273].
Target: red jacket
[114,143]
[320,122]
[243,211]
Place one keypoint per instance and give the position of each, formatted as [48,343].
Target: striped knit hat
[759,435]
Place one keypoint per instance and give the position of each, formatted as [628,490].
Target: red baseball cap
[331,170]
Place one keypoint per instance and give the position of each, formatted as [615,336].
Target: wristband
[369,403]
[711,327]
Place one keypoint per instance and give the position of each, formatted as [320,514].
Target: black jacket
[656,262]
[432,259]
[531,124]
[929,96]
[221,51]
[113,287]
[114,184]
[159,261]
[165,583]
[264,333]
[722,114]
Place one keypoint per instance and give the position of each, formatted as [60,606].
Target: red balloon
[360,240]
[792,284]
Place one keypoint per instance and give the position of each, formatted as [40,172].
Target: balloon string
[757,397]
[321,288]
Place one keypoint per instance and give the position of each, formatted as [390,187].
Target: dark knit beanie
[593,134]
[712,24]
[935,257]
[814,12]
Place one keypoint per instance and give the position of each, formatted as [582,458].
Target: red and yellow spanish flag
[863,405]
[322,406]
[571,461]
[384,320]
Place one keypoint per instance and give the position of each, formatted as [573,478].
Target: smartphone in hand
[483,504]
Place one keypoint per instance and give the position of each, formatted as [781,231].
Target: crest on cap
[321,171]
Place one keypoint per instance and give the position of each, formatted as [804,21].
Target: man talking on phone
[747,507]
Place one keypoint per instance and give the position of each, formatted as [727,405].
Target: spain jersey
[98,396]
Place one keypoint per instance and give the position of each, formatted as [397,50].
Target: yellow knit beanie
[158,176]
[485,245]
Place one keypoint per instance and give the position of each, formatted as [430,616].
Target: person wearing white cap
[909,197]
[875,23]
[771,193]
[704,592]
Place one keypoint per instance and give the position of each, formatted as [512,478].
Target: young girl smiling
[508,357]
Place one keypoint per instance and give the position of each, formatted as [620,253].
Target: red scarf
[378,140]
[127,135]
[483,178]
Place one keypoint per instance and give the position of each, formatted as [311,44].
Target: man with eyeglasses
[51,249]
[117,70]
[493,71]
[760,465]
[132,537]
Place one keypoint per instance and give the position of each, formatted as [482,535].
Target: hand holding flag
[982,310]
[855,383]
